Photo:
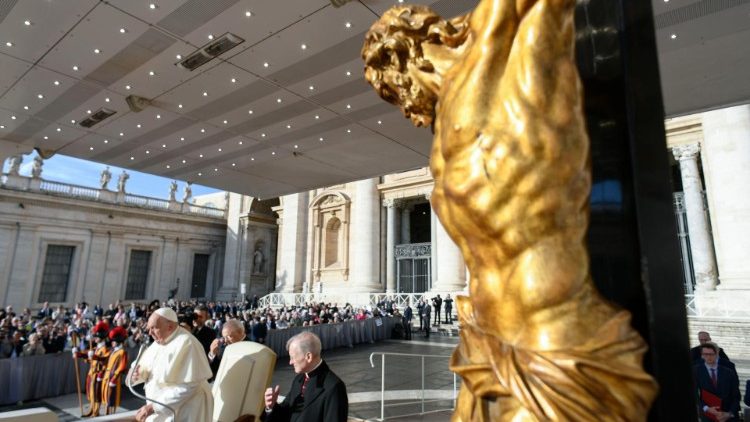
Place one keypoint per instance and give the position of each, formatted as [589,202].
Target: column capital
[686,152]
[392,202]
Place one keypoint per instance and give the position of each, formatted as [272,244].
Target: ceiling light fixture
[182,138]
[216,169]
[296,146]
[75,68]
[72,121]
[348,24]
[178,57]
[380,122]
[148,152]
[13,117]
[25,107]
[2,126]
[158,116]
[40,96]
[163,145]
[91,148]
[278,100]
[317,117]
[312,87]
[9,44]
[210,36]
[59,130]
[106,141]
[220,150]
[233,80]
[123,30]
[239,143]
[106,100]
[200,174]
[273,152]
[673,36]
[262,135]
[265,64]
[122,134]
[88,111]
[179,105]
[303,46]
[225,122]
[348,106]
[288,126]
[203,130]
[248,13]
[348,131]
[205,94]
[132,158]
[348,73]
[152,6]
[168,166]
[184,161]
[234,164]
[200,155]
[97,51]
[127,87]
[249,112]
[27,23]
[151,73]
[46,137]
[138,125]
[320,139]
[57,83]
[252,158]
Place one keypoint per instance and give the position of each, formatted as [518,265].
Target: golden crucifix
[512,175]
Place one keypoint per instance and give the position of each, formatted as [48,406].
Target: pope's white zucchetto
[167,313]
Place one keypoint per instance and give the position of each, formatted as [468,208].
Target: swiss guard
[97,357]
[117,365]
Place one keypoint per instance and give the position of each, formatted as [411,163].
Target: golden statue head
[396,63]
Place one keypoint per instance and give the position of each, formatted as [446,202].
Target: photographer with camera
[232,332]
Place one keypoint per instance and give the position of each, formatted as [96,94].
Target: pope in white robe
[176,372]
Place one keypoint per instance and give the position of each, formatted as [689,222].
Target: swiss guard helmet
[118,334]
[100,330]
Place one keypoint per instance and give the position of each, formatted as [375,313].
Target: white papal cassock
[177,374]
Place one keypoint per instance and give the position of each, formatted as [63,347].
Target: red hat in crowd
[101,329]
[118,334]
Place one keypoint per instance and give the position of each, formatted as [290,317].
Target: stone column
[365,237]
[391,242]
[701,248]
[450,268]
[406,224]
[290,273]
[725,156]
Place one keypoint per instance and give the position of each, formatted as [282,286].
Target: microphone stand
[129,383]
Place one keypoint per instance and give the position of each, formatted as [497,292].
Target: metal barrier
[423,400]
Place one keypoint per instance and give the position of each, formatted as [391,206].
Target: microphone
[129,383]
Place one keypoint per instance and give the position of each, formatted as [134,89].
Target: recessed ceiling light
[27,23]
[106,141]
[225,122]
[152,6]
[75,68]
[219,149]
[106,100]
[97,51]
[138,125]
[233,80]
[673,36]
[57,83]
[148,152]
[184,161]
[248,13]
[200,155]
[205,94]
[178,57]
[303,46]
[88,111]
[127,87]
[151,73]
[348,24]
[239,143]
[179,105]
[348,73]
[278,100]
[265,64]
[210,36]
[123,30]
[203,130]
[9,44]
[91,148]
[158,116]
[249,112]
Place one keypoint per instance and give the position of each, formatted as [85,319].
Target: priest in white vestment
[176,372]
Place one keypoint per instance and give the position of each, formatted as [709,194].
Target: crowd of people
[54,329]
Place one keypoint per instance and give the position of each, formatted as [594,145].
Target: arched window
[332,241]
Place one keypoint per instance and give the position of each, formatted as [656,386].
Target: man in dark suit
[232,332]
[719,382]
[437,302]
[420,307]
[448,305]
[703,338]
[204,334]
[426,320]
[406,320]
[316,395]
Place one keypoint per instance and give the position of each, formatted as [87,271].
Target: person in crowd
[232,332]
[718,387]
[176,373]
[45,312]
[437,303]
[448,305]
[204,334]
[316,394]
[117,364]
[33,347]
[420,308]
[260,330]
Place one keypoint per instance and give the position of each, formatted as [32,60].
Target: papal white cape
[177,374]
